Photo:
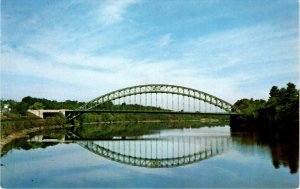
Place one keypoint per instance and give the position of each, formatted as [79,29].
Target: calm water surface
[136,156]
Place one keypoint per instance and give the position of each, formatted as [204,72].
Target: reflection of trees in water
[154,151]
[131,129]
[283,145]
[22,143]
[286,153]
[166,151]
[98,131]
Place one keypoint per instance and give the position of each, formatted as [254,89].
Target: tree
[37,106]
[60,119]
[22,108]
[274,92]
[281,109]
[29,100]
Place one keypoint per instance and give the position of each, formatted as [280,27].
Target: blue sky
[81,49]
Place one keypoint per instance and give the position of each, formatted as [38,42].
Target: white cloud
[113,11]
[201,66]
[96,83]
[244,50]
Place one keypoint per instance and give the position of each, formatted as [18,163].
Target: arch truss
[157,98]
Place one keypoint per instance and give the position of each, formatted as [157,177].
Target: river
[149,156]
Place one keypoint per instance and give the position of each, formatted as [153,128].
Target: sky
[81,49]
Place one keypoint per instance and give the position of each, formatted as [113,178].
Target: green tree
[22,108]
[37,106]
[60,119]
[281,109]
[274,92]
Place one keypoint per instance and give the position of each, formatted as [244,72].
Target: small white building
[6,108]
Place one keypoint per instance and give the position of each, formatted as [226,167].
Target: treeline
[281,110]
[42,103]
[38,103]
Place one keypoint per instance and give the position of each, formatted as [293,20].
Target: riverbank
[9,126]
[23,133]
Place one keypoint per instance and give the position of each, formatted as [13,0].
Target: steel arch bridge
[156,98]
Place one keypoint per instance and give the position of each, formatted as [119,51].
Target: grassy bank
[11,123]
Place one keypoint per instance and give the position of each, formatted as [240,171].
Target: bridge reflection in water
[159,152]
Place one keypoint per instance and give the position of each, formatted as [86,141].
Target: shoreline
[22,133]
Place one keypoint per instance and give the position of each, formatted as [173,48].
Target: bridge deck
[150,112]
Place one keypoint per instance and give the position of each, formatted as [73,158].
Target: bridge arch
[158,89]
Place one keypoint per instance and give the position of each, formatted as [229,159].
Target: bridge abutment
[41,113]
